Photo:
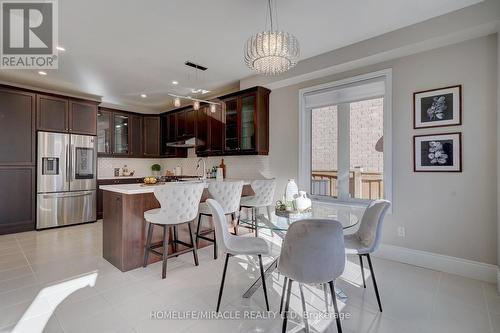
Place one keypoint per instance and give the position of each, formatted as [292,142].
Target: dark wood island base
[124,230]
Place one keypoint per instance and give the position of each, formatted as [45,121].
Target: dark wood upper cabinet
[186,123]
[209,131]
[246,119]
[17,127]
[169,134]
[52,113]
[151,136]
[231,126]
[135,136]
[104,132]
[121,133]
[82,117]
[202,131]
[239,126]
[60,114]
[216,130]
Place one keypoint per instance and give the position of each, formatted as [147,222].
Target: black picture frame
[447,144]
[439,107]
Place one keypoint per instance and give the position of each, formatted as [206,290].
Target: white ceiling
[119,49]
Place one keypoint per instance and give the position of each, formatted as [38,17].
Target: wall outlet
[401,231]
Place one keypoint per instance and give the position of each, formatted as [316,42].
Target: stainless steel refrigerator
[66,179]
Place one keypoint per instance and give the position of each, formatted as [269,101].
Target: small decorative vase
[291,190]
[302,202]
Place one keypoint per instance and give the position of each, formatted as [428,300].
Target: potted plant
[156,168]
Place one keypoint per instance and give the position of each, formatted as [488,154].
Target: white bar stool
[264,196]
[227,194]
[179,205]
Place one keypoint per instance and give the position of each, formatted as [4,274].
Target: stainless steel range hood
[186,143]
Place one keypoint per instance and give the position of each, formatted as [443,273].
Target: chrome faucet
[204,174]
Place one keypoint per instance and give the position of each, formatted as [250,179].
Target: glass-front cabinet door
[247,132]
[103,132]
[232,142]
[121,137]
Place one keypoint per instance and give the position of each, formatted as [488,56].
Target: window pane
[366,149]
[324,148]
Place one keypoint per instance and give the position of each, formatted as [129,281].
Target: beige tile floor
[414,299]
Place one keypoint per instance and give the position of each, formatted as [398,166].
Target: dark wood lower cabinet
[17,199]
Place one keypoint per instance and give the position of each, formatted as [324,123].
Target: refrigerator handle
[67,164]
[71,166]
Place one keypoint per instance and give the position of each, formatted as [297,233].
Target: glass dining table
[348,215]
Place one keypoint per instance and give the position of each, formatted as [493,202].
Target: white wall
[446,213]
[498,159]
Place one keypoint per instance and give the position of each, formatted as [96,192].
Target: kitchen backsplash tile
[245,167]
[141,166]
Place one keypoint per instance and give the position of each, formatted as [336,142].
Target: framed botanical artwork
[437,107]
[438,152]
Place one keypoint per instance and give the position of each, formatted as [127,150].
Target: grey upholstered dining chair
[227,194]
[233,245]
[313,252]
[367,239]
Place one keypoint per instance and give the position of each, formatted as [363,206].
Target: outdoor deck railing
[362,185]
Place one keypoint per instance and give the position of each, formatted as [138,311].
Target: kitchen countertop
[137,176]
[141,188]
[120,177]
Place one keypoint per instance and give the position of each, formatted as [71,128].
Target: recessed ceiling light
[175,83]
[42,73]
[60,48]
[144,95]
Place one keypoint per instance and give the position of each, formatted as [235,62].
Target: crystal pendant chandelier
[272,52]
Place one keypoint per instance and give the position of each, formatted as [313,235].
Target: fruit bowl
[150,180]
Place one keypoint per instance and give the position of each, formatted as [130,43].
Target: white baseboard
[463,267]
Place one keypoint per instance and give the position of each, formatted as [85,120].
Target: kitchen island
[124,227]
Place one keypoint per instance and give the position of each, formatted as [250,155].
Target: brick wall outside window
[366,128]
